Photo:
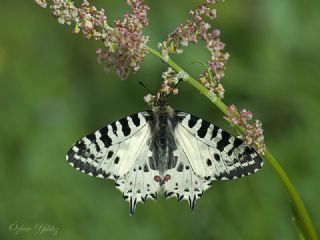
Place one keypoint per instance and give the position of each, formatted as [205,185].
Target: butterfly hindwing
[119,151]
[213,153]
[184,184]
[139,185]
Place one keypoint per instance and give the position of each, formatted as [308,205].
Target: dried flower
[253,132]
[213,85]
[195,29]
[41,3]
[92,22]
[149,99]
[171,76]
[171,79]
[125,44]
[87,19]
[65,11]
[192,31]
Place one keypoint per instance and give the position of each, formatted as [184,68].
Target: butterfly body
[162,142]
[163,148]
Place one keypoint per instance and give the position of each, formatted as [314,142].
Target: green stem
[298,205]
[211,96]
[305,221]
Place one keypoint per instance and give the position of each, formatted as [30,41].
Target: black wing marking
[214,153]
[111,151]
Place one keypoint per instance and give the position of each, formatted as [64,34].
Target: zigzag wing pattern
[119,151]
[213,153]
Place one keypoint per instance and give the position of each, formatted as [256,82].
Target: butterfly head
[160,104]
[160,100]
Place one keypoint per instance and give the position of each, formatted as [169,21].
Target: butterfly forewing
[213,153]
[119,151]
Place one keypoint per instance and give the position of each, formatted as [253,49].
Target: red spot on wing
[167,178]
[157,178]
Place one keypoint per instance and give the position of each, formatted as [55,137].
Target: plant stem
[305,221]
[212,97]
[298,205]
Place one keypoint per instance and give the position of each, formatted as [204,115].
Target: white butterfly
[165,149]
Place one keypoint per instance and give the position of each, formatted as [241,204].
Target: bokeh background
[53,91]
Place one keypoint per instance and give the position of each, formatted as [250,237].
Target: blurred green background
[53,92]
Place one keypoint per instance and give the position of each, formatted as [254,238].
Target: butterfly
[163,149]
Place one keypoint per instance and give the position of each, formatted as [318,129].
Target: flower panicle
[149,99]
[195,29]
[212,84]
[171,79]
[192,30]
[252,131]
[65,11]
[124,43]
[86,18]
[91,22]
[41,3]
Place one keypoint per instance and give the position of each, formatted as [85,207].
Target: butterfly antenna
[144,86]
[179,81]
